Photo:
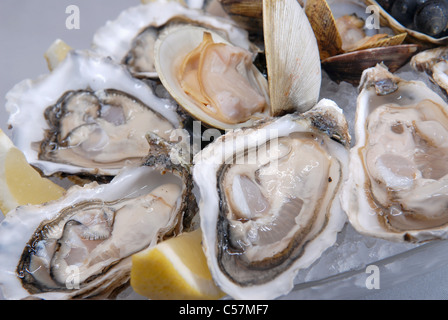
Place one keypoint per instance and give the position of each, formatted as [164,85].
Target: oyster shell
[130,38]
[397,183]
[80,246]
[269,201]
[88,116]
[247,13]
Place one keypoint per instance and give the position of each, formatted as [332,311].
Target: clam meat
[210,78]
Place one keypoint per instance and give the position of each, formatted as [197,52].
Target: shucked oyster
[269,202]
[89,115]
[398,182]
[80,246]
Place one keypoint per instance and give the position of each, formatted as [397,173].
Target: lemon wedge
[20,183]
[175,269]
[56,53]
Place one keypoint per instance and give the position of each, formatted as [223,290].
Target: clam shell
[349,66]
[248,13]
[292,57]
[323,22]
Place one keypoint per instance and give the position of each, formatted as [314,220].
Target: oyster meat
[398,175]
[269,201]
[88,116]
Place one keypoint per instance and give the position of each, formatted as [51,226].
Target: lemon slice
[175,269]
[56,53]
[20,183]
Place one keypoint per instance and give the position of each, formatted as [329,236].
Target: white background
[27,29]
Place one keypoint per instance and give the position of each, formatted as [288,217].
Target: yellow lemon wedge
[56,53]
[175,269]
[20,183]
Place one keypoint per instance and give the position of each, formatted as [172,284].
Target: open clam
[210,78]
[234,93]
[397,185]
[347,46]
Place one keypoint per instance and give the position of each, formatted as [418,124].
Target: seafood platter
[306,140]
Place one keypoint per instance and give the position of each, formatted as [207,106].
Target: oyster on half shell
[216,82]
[88,116]
[269,202]
[80,246]
[398,181]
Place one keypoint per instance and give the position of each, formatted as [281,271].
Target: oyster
[269,202]
[247,13]
[397,183]
[130,38]
[80,246]
[435,63]
[88,116]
